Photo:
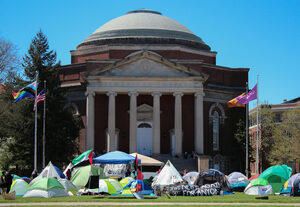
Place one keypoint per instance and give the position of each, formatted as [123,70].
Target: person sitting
[3,182]
[9,179]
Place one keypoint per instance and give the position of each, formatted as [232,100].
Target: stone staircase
[179,163]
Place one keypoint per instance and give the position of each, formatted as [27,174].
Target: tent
[68,185]
[81,176]
[258,186]
[46,187]
[126,180]
[19,186]
[147,161]
[131,187]
[211,176]
[254,176]
[191,177]
[116,184]
[291,186]
[49,171]
[276,176]
[167,176]
[103,186]
[68,170]
[237,181]
[115,157]
[27,179]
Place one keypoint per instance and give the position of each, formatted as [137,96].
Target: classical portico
[146,73]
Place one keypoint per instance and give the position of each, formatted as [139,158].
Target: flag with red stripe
[40,97]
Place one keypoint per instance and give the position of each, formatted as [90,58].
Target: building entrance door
[144,138]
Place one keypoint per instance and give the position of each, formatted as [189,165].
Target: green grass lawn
[235,198]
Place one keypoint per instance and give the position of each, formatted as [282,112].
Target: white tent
[49,172]
[147,161]
[168,176]
[191,177]
[258,190]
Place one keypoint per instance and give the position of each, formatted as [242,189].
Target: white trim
[70,85]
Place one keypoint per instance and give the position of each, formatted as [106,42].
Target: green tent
[46,184]
[259,182]
[276,176]
[81,175]
[46,187]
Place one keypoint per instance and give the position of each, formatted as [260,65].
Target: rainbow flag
[27,91]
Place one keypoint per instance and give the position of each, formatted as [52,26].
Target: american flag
[40,97]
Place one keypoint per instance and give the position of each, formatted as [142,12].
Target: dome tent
[237,181]
[82,175]
[50,171]
[46,187]
[258,186]
[211,176]
[126,180]
[145,189]
[20,187]
[276,176]
[191,177]
[291,186]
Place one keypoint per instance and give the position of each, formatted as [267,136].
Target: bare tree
[9,61]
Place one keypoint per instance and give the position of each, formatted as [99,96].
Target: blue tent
[115,157]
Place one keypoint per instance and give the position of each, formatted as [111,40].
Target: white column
[156,122]
[178,123]
[199,128]
[90,120]
[133,128]
[111,121]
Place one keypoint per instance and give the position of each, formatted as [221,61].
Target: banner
[115,170]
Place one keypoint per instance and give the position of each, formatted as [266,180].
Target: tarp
[115,157]
[81,175]
[276,176]
[143,188]
[168,176]
[50,171]
[238,181]
[147,161]
[292,186]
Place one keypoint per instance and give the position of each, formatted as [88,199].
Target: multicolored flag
[243,99]
[234,102]
[40,97]
[27,91]
[84,158]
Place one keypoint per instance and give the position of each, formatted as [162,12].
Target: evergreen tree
[62,127]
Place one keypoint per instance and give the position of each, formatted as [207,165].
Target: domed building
[145,83]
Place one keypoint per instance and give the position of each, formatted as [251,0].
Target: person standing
[9,179]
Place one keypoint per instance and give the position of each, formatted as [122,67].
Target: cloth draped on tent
[191,177]
[81,176]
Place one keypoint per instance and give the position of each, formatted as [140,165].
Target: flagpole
[44,126]
[247,134]
[257,131]
[35,126]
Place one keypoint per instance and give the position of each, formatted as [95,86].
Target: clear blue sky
[263,35]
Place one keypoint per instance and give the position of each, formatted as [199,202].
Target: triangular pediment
[145,64]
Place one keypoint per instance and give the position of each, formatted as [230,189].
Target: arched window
[216,125]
